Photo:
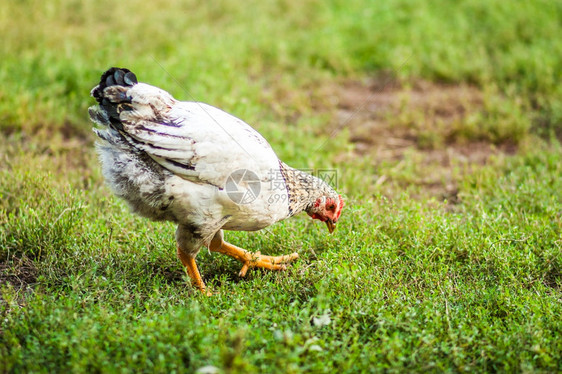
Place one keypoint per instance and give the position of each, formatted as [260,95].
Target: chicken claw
[193,272]
[255,259]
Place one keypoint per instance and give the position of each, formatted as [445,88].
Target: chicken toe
[255,259]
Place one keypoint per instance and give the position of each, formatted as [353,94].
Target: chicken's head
[327,209]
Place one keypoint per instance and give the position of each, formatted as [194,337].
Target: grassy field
[443,120]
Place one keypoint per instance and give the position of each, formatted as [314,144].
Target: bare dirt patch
[389,119]
[427,123]
[20,272]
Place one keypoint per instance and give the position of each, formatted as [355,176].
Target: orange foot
[252,260]
[193,272]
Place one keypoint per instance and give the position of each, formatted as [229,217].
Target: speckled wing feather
[196,141]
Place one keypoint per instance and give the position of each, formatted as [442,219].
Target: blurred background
[377,76]
[442,118]
[322,81]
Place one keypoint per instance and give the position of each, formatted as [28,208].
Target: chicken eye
[331,207]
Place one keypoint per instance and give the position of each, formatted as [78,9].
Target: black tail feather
[112,77]
[106,114]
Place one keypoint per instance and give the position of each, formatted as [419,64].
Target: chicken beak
[331,225]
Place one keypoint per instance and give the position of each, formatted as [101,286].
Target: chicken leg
[192,271]
[250,259]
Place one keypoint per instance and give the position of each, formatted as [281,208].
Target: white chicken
[200,167]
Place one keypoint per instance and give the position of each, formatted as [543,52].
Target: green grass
[409,281]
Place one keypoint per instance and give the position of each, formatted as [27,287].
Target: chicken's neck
[303,189]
